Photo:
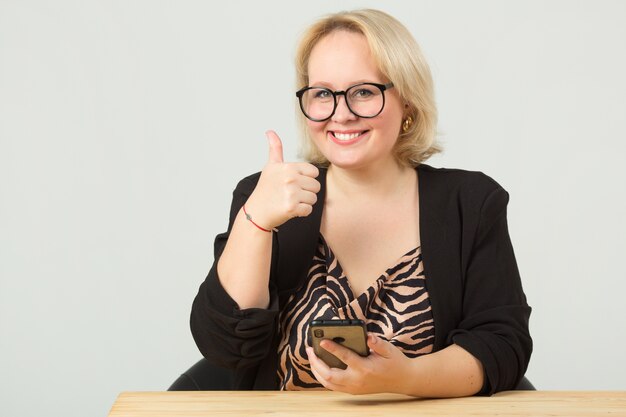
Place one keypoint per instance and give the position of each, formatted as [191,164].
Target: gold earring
[407,124]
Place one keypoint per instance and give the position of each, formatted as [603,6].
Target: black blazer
[471,276]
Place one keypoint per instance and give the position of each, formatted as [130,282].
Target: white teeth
[344,136]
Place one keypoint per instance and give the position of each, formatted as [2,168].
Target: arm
[246,282]
[494,324]
[233,315]
[451,372]
[224,333]
[284,191]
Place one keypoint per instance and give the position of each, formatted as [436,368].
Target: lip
[345,142]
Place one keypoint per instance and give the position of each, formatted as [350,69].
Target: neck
[382,181]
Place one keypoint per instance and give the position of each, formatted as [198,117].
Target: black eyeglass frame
[381,87]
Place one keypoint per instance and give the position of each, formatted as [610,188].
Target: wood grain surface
[326,403]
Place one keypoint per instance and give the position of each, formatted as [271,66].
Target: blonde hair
[399,58]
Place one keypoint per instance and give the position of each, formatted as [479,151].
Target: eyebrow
[330,85]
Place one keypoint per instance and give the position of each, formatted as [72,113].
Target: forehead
[342,58]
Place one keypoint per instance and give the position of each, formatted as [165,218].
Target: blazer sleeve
[494,327]
[225,334]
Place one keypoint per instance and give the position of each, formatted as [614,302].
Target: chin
[343,158]
[348,163]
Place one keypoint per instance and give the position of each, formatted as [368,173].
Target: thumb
[276,146]
[379,346]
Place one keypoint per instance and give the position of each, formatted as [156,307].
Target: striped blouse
[395,307]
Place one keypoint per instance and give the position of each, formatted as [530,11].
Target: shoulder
[247,185]
[469,193]
[462,182]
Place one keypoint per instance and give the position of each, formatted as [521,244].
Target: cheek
[393,115]
[390,125]
[315,128]
[394,122]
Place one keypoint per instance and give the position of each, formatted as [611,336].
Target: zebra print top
[395,307]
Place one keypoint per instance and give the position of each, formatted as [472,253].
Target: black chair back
[204,376]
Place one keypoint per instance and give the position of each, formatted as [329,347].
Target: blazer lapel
[437,245]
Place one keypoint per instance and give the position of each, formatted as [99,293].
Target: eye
[362,93]
[319,93]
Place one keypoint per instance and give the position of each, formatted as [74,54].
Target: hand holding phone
[349,333]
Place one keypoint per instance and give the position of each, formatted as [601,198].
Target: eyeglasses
[365,100]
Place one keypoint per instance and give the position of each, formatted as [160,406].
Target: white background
[125,125]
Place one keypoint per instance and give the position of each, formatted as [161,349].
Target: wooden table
[331,404]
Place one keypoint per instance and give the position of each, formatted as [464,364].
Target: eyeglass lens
[364,100]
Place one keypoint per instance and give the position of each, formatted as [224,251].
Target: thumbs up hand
[285,190]
[276,147]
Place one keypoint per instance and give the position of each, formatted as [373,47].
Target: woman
[365,230]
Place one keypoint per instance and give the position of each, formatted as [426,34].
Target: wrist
[249,218]
[255,213]
[417,378]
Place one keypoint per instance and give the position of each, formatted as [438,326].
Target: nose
[342,112]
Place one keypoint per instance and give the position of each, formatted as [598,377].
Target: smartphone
[349,333]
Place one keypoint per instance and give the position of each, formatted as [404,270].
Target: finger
[303,210]
[318,366]
[316,362]
[276,147]
[322,372]
[380,346]
[345,355]
[307,169]
[309,184]
[307,197]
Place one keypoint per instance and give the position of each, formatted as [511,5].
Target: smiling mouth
[345,137]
